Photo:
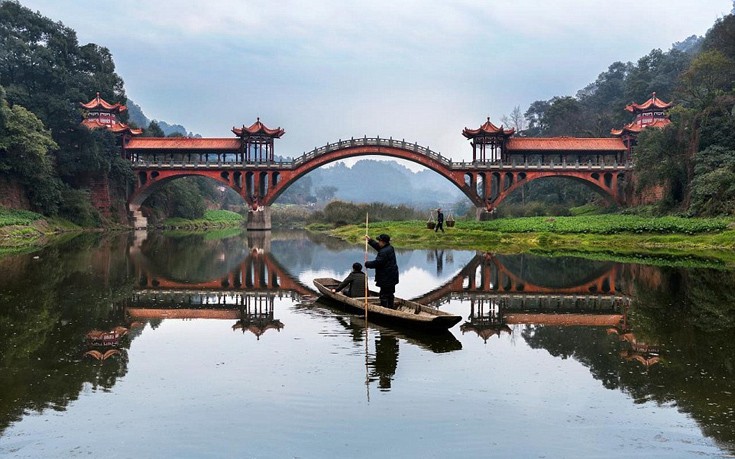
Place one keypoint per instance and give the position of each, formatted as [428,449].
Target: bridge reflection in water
[246,294]
[501,290]
[500,298]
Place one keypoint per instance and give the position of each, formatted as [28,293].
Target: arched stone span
[260,183]
[151,180]
[279,181]
[500,186]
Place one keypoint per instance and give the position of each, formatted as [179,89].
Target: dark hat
[384,238]
[356,267]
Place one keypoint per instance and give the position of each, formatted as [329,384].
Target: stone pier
[259,220]
[138,220]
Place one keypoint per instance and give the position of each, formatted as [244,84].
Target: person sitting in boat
[386,269]
[354,284]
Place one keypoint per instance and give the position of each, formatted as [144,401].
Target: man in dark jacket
[439,220]
[386,269]
[354,283]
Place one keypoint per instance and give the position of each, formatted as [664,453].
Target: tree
[661,158]
[710,74]
[713,185]
[45,70]
[535,115]
[153,130]
[25,146]
[516,120]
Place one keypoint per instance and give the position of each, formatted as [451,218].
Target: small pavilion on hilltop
[100,114]
[258,141]
[651,113]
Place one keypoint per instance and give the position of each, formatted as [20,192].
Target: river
[216,345]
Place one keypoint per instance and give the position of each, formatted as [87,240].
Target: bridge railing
[180,164]
[374,142]
[534,165]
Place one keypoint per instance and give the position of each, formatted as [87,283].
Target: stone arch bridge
[260,182]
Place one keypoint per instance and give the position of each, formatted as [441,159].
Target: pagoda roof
[487,129]
[635,128]
[100,103]
[115,128]
[653,102]
[183,143]
[516,144]
[258,128]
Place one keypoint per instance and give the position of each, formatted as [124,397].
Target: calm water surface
[216,346]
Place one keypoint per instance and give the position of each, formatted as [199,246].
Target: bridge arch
[279,180]
[150,181]
[605,183]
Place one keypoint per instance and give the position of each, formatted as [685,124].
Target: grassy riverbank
[624,238]
[22,230]
[211,219]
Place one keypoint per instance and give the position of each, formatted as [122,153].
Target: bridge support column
[137,218]
[259,220]
[482,214]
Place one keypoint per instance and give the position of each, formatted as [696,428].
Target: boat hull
[409,314]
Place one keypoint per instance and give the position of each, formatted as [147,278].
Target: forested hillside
[44,150]
[693,159]
[49,162]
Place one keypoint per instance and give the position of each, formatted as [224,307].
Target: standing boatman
[386,269]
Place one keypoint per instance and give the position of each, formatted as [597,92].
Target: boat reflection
[503,291]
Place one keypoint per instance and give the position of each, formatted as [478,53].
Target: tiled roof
[258,128]
[516,144]
[183,143]
[99,102]
[636,127]
[653,102]
[487,128]
[116,128]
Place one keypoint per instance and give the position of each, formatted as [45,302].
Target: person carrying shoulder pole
[439,220]
[386,269]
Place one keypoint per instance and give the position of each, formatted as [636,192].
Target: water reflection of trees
[192,258]
[49,304]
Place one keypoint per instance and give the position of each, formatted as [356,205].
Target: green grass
[24,231]
[671,241]
[605,224]
[212,218]
[11,217]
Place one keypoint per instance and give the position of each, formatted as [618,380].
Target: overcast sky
[325,70]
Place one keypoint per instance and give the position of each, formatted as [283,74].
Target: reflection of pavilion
[645,353]
[252,312]
[246,293]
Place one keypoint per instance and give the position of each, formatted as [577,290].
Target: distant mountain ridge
[138,118]
[370,180]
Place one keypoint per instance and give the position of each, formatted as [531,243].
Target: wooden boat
[408,313]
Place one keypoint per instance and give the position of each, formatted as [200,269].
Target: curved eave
[117,128]
[653,102]
[99,103]
[258,129]
[487,129]
[635,128]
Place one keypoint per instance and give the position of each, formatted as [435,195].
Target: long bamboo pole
[366,271]
[367,335]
